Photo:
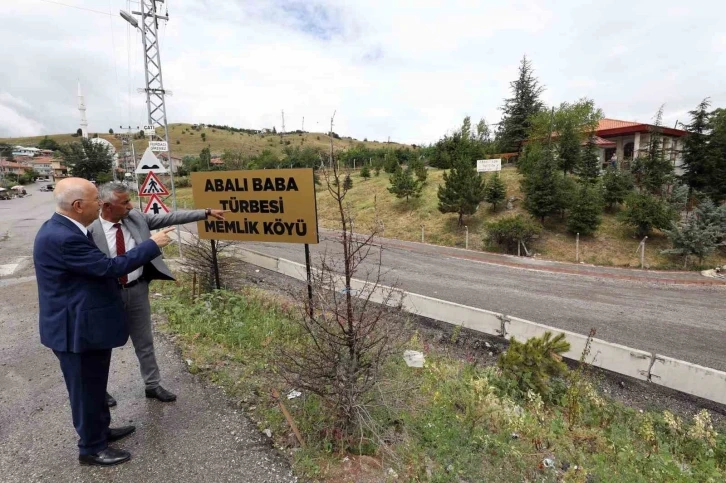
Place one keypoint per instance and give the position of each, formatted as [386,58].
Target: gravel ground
[199,438]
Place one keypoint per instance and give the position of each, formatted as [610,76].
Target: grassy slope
[450,421]
[190,142]
[613,244]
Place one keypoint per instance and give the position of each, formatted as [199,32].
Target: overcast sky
[410,70]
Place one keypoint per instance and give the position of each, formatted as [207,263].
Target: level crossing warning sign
[153,186]
[155,206]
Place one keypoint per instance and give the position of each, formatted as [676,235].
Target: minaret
[82,110]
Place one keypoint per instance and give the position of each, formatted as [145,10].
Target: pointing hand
[162,237]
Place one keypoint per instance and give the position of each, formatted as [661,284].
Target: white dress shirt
[80,227]
[129,243]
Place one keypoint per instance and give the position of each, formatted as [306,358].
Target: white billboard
[486,165]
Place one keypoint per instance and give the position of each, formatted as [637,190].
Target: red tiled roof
[614,124]
[602,143]
[9,164]
[613,127]
[216,161]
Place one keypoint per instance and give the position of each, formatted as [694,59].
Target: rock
[414,358]
[268,432]
[548,463]
[621,384]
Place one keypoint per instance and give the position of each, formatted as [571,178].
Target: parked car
[48,187]
[4,194]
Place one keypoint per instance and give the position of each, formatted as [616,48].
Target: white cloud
[12,123]
[406,69]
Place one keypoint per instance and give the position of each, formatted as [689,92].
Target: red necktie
[120,249]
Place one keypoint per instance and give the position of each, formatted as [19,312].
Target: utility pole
[282,131]
[303,125]
[155,92]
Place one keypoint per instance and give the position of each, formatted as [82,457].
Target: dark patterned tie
[120,249]
[90,238]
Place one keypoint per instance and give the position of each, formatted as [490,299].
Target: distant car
[4,194]
[48,187]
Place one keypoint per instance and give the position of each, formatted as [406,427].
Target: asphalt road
[683,321]
[199,438]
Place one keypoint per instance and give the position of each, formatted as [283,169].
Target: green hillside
[187,141]
[613,244]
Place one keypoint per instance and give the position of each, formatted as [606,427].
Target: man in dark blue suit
[82,315]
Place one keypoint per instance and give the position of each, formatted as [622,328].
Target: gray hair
[66,195]
[107,190]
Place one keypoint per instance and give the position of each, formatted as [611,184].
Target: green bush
[645,212]
[533,364]
[182,182]
[508,232]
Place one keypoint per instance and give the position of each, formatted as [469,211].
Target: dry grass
[612,245]
[190,141]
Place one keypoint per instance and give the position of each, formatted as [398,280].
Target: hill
[187,141]
[612,245]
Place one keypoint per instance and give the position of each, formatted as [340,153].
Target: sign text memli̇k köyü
[270,205]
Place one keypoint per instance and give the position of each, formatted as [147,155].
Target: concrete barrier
[689,378]
[665,371]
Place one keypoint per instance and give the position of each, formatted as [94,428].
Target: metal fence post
[577,247]
[422,234]
[467,237]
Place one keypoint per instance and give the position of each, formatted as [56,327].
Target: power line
[75,6]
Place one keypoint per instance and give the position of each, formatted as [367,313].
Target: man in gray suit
[119,229]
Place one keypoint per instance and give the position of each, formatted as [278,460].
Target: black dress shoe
[114,434]
[107,457]
[161,394]
[110,401]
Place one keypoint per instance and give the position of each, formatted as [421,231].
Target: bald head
[77,198]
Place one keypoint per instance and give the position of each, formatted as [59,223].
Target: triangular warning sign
[149,162]
[155,206]
[153,186]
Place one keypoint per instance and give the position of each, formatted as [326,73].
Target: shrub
[347,182]
[531,365]
[510,231]
[644,212]
[365,172]
[182,182]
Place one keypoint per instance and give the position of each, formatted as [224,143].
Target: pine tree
[403,185]
[651,169]
[365,172]
[391,164]
[462,190]
[525,102]
[717,156]
[700,234]
[419,169]
[695,149]
[495,191]
[541,188]
[569,147]
[347,182]
[585,213]
[617,185]
[589,167]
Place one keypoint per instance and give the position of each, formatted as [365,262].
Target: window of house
[628,150]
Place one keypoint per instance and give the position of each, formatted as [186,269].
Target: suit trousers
[138,316]
[86,376]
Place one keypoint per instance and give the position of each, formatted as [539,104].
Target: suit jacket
[140,225]
[80,302]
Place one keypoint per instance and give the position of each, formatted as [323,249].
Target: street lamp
[126,16]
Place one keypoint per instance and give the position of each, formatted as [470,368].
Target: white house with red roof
[625,139]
